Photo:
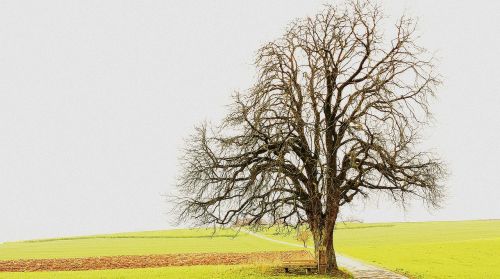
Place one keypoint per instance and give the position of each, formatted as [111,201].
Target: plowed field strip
[115,262]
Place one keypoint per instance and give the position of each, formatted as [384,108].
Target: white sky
[97,96]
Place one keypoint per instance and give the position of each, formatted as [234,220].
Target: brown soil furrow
[144,261]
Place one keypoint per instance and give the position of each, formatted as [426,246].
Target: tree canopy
[334,114]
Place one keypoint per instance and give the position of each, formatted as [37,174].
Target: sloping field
[468,249]
[464,249]
[191,253]
[141,243]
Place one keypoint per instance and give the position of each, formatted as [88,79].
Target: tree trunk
[324,249]
[331,259]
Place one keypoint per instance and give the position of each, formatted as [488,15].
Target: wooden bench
[307,264]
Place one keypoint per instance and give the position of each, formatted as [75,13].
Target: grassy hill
[147,243]
[139,243]
[461,249]
[429,250]
[467,249]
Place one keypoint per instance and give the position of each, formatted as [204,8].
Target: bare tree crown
[334,114]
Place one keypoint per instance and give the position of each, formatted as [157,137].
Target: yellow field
[466,249]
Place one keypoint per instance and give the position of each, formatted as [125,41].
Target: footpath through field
[357,268]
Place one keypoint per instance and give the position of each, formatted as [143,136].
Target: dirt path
[357,268]
[366,271]
[114,262]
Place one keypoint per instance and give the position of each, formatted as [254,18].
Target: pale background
[97,96]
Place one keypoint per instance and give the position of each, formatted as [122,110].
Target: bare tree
[334,114]
[303,236]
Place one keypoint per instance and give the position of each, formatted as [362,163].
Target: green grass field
[144,243]
[467,249]
[428,250]
[140,243]
[192,272]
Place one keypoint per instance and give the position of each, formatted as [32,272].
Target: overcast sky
[97,96]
